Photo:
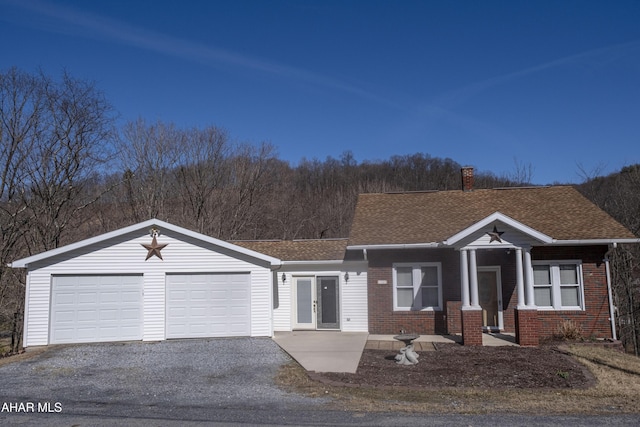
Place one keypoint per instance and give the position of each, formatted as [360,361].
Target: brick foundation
[527,327]
[471,327]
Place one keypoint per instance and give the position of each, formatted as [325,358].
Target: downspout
[609,292]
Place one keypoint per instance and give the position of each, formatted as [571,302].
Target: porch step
[397,345]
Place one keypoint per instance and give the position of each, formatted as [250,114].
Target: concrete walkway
[334,351]
[324,351]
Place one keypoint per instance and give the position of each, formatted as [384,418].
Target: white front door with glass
[316,302]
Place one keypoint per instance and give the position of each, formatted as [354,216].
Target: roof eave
[316,262]
[395,246]
[587,242]
[24,262]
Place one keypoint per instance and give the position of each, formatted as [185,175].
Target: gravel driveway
[146,378]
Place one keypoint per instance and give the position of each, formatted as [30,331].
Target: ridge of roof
[475,190]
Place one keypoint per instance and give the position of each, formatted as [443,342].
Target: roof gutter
[612,311]
[321,262]
[395,246]
[593,242]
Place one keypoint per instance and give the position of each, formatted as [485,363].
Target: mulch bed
[453,365]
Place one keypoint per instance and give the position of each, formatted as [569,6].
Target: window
[417,287]
[558,285]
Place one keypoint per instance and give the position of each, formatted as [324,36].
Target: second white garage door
[208,305]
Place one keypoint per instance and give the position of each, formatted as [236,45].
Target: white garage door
[92,308]
[208,305]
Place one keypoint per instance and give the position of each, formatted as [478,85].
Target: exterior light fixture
[284,277]
[346,276]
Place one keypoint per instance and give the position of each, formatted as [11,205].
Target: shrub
[569,330]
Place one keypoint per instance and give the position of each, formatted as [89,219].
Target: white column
[464,278]
[519,278]
[473,278]
[528,275]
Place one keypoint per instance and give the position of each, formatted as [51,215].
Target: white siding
[353,294]
[154,302]
[282,313]
[355,312]
[261,304]
[125,255]
[510,238]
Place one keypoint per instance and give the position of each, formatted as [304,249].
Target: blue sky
[551,84]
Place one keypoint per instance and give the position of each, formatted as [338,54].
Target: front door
[328,307]
[316,302]
[490,296]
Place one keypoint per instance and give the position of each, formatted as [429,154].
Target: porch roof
[298,250]
[560,212]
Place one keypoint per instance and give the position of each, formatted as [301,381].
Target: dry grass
[617,390]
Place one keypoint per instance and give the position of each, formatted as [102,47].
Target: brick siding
[594,321]
[472,327]
[384,320]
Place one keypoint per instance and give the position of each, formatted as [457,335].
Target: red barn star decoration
[495,235]
[154,248]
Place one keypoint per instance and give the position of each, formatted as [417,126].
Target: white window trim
[416,285]
[556,299]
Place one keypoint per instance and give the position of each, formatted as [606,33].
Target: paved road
[191,382]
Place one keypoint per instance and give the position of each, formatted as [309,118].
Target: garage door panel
[108,315]
[92,308]
[88,316]
[209,309]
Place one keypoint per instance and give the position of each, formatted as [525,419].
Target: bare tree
[20,104]
[53,136]
[202,174]
[246,191]
[74,138]
[522,173]
[149,155]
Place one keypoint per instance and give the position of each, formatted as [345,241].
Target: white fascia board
[395,246]
[585,242]
[24,262]
[497,216]
[320,262]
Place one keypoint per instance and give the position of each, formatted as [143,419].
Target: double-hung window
[558,285]
[417,286]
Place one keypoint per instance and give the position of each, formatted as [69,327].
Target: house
[517,260]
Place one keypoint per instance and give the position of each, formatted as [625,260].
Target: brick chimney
[467,178]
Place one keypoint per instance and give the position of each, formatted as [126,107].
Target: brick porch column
[527,327]
[471,326]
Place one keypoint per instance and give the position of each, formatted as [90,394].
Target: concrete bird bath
[407,355]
